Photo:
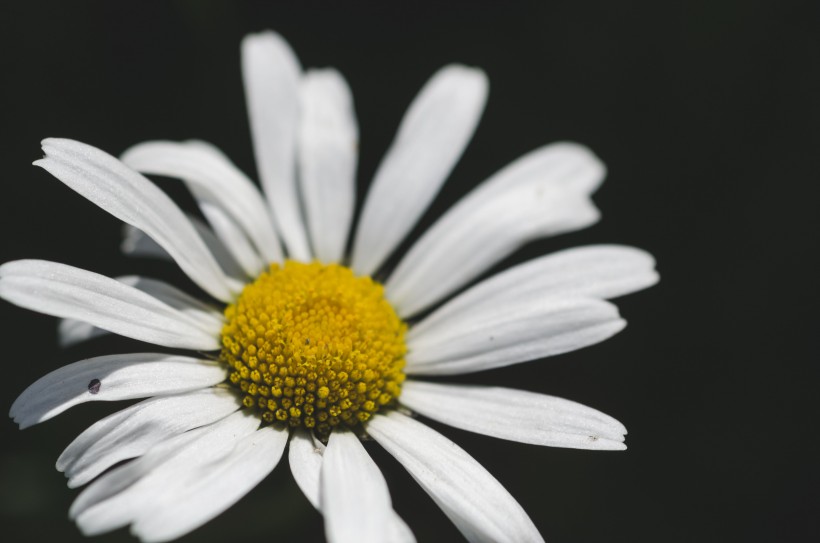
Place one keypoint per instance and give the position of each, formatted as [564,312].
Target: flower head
[308,351]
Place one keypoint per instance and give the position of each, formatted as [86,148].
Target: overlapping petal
[65,291]
[543,193]
[133,199]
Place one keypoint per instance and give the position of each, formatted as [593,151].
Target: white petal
[472,498]
[71,331]
[350,516]
[543,193]
[516,415]
[132,431]
[216,180]
[65,291]
[328,150]
[232,237]
[213,488]
[305,457]
[120,377]
[271,73]
[433,134]
[596,271]
[121,495]
[512,333]
[136,243]
[134,199]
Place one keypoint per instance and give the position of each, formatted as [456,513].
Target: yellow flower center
[315,346]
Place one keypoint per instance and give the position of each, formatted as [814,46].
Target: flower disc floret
[314,345]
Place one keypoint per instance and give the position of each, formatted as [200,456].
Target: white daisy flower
[308,350]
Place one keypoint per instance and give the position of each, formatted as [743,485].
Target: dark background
[707,115]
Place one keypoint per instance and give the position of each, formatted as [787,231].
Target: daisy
[300,348]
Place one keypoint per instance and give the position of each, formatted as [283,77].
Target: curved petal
[121,495]
[473,499]
[136,243]
[516,415]
[543,193]
[305,456]
[432,135]
[362,515]
[72,331]
[134,430]
[271,73]
[65,291]
[113,377]
[215,180]
[194,500]
[132,198]
[595,271]
[328,150]
[512,333]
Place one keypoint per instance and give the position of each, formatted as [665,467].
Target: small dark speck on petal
[94,386]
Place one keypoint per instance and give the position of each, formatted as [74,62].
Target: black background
[706,114]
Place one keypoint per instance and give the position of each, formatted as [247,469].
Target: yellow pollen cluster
[313,345]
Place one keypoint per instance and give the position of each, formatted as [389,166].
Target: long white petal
[72,331]
[123,494]
[305,457]
[516,415]
[65,291]
[362,515]
[328,151]
[113,377]
[136,243]
[543,193]
[271,73]
[213,488]
[512,333]
[132,198]
[132,431]
[433,134]
[479,506]
[595,271]
[216,180]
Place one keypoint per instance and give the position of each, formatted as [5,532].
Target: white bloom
[196,450]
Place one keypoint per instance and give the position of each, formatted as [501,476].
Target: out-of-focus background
[707,116]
